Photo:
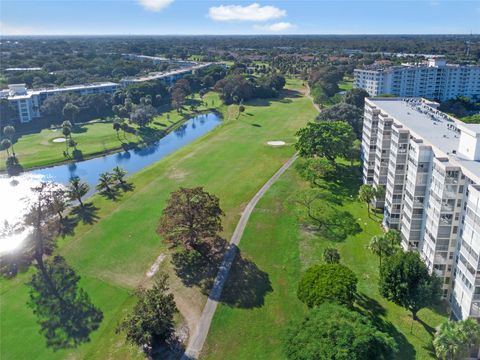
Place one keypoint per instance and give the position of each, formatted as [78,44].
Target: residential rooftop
[29,92]
[440,131]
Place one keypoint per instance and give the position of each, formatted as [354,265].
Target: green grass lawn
[112,256]
[38,149]
[346,84]
[281,249]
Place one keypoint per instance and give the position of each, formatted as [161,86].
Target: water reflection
[15,192]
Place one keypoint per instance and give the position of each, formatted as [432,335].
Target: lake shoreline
[120,148]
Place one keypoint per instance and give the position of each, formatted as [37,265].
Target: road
[199,336]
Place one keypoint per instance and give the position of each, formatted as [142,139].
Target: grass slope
[279,246]
[38,149]
[112,256]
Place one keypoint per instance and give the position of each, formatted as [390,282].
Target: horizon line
[233,34]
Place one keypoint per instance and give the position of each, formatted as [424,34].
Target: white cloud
[253,12]
[155,5]
[277,27]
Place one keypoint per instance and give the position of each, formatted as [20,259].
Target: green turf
[233,161]
[279,246]
[346,84]
[38,149]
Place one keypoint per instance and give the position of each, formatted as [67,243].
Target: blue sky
[164,17]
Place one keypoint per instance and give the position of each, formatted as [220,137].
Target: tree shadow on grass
[126,186]
[428,328]
[284,96]
[246,286]
[195,270]
[67,225]
[334,225]
[111,194]
[372,309]
[86,213]
[339,226]
[346,182]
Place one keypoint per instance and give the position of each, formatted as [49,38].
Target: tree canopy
[405,280]
[315,169]
[327,283]
[331,256]
[351,114]
[454,339]
[191,219]
[333,332]
[356,97]
[151,320]
[325,139]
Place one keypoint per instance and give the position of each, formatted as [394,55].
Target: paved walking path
[198,338]
[309,95]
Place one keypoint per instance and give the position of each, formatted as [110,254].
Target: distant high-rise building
[434,80]
[429,164]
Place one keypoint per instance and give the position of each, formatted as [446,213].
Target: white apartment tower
[434,79]
[429,164]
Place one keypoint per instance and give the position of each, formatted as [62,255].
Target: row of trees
[237,88]
[12,164]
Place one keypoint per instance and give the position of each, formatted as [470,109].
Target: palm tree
[6,144]
[104,182]
[58,202]
[76,190]
[380,246]
[124,127]
[117,126]
[366,193]
[119,175]
[67,124]
[67,132]
[9,132]
[454,339]
[394,237]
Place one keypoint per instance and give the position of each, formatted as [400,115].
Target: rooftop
[30,92]
[437,129]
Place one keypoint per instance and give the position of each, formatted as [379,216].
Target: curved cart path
[199,336]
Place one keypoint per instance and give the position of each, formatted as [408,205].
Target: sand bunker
[276,143]
[59,140]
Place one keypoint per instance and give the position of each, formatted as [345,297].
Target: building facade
[429,165]
[27,102]
[434,80]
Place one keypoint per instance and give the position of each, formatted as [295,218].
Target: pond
[16,191]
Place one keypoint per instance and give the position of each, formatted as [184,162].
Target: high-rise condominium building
[434,80]
[429,165]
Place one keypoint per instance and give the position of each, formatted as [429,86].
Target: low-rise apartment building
[27,102]
[433,79]
[429,164]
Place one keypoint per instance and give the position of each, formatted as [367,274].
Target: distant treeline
[69,60]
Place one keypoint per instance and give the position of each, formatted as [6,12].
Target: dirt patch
[177,174]
[154,268]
